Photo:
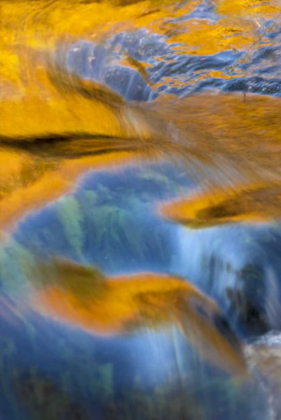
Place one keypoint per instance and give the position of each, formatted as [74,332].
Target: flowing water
[140,199]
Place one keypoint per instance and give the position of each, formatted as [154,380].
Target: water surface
[139,209]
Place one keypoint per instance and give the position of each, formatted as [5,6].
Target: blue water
[50,370]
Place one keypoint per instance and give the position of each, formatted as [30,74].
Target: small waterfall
[209,258]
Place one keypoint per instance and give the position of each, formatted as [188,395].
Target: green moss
[91,198]
[16,264]
[104,381]
[70,216]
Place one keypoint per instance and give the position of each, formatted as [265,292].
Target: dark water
[101,129]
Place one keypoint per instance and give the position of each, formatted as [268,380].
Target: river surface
[140,207]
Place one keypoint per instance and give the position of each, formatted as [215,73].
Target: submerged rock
[248,300]
[239,266]
[264,358]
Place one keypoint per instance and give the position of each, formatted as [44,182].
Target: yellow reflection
[267,9]
[57,126]
[29,29]
[222,135]
[205,38]
[83,297]
[250,204]
[29,182]
[227,131]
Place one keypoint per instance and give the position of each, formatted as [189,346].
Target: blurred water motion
[220,137]
[121,121]
[83,297]
[251,152]
[255,203]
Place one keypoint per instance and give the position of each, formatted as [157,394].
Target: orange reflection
[30,29]
[248,7]
[201,37]
[55,126]
[211,135]
[224,135]
[245,203]
[28,183]
[83,297]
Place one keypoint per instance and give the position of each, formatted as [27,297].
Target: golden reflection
[201,37]
[29,29]
[255,203]
[223,138]
[83,297]
[29,182]
[248,7]
[213,136]
[55,126]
